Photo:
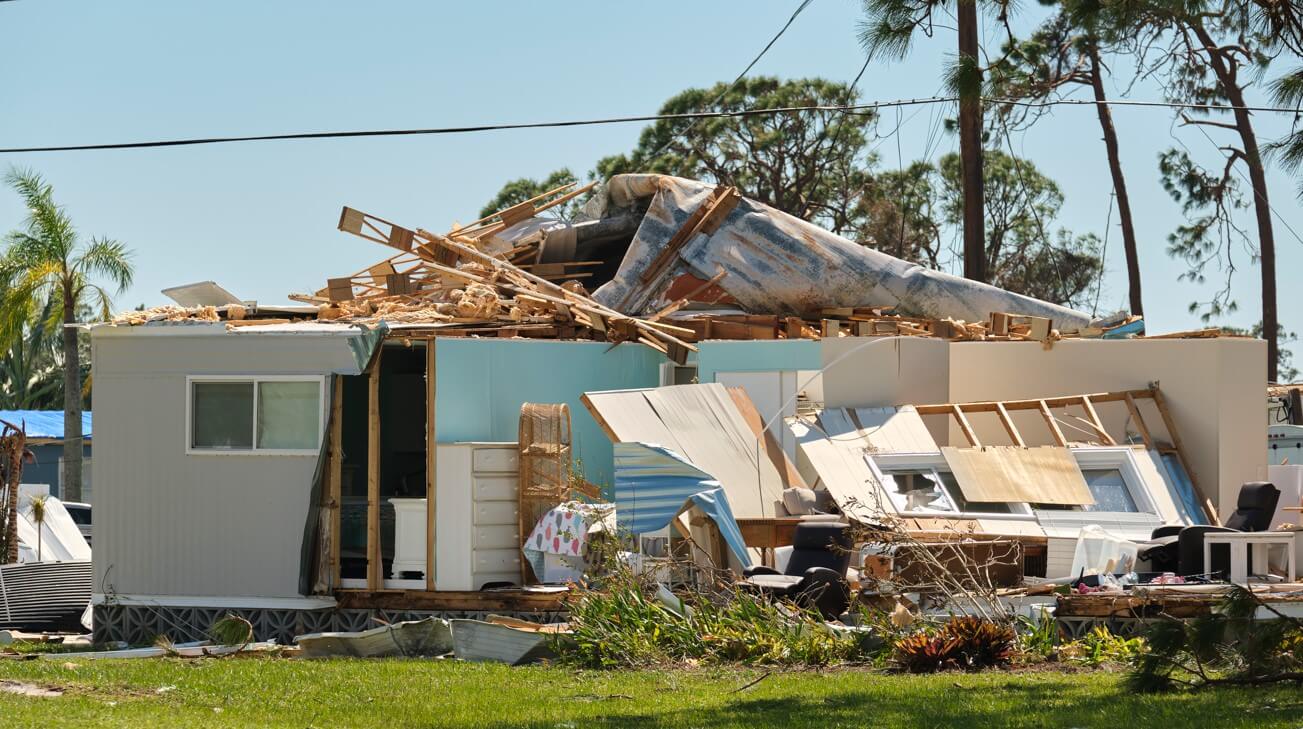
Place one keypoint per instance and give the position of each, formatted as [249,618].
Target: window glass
[288,414]
[917,491]
[971,507]
[222,415]
[1110,491]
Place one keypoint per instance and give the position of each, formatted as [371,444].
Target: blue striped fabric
[653,484]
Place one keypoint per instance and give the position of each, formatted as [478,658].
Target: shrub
[965,642]
[623,625]
[923,653]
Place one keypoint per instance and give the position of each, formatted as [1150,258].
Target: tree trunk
[1119,184]
[970,150]
[70,478]
[1261,207]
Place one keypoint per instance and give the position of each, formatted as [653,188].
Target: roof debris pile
[668,262]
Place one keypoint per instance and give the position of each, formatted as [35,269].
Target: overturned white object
[59,538]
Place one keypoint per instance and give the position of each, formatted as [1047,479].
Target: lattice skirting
[1077,627]
[143,624]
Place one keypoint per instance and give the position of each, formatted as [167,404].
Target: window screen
[288,414]
[222,415]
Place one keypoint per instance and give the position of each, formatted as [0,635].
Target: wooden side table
[1242,543]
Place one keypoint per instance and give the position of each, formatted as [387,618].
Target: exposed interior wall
[756,356]
[168,523]
[483,382]
[402,451]
[1213,387]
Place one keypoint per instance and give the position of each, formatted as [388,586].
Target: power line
[799,9]
[847,108]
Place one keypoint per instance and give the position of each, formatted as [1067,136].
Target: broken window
[268,415]
[1110,491]
[918,491]
[932,490]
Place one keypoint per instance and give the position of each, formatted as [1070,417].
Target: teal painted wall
[483,382]
[757,356]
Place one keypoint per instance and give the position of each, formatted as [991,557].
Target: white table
[1241,544]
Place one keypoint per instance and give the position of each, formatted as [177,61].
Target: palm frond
[49,226]
[108,258]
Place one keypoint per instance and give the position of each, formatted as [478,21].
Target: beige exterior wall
[876,372]
[168,523]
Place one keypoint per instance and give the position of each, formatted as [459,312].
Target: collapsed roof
[774,263]
[670,261]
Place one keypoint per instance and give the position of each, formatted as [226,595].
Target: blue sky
[260,218]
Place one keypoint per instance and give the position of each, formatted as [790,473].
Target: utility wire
[847,108]
[800,8]
[1245,177]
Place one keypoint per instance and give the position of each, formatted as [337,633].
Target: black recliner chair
[816,573]
[1180,549]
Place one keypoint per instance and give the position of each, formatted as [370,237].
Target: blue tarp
[44,423]
[653,484]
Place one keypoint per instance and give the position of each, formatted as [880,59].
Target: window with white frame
[1114,481]
[255,414]
[919,484]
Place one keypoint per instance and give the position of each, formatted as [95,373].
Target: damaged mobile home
[385,448]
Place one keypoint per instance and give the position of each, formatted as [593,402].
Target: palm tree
[47,262]
[39,504]
[31,375]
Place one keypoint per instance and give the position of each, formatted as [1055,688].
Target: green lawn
[402,693]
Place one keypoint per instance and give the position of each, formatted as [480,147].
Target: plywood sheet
[1041,475]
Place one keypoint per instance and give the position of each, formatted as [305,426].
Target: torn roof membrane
[776,263]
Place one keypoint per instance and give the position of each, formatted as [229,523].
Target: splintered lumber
[487,221]
[705,219]
[1009,427]
[1095,422]
[687,298]
[964,426]
[1051,423]
[655,330]
[1088,401]
[368,226]
[1139,422]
